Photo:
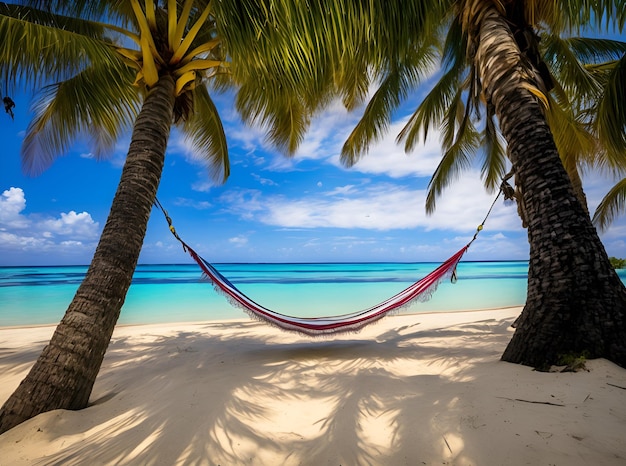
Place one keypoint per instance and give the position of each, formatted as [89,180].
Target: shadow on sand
[349,401]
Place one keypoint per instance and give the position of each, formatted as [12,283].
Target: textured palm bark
[65,372]
[576,303]
[577,184]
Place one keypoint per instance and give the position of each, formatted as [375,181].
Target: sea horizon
[273,263]
[165,293]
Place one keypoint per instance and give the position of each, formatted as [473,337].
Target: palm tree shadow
[353,398]
[16,361]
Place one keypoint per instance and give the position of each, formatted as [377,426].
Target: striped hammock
[317,326]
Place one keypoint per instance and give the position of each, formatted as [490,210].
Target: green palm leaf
[564,64]
[205,130]
[611,206]
[100,102]
[594,50]
[283,114]
[494,163]
[455,160]
[431,111]
[57,48]
[394,88]
[611,111]
[571,135]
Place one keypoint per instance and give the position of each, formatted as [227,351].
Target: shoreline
[420,388]
[246,318]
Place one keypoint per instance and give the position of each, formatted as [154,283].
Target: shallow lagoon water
[177,293]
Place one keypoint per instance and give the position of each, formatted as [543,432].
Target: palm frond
[51,53]
[431,110]
[613,204]
[455,45]
[610,124]
[282,114]
[78,8]
[569,15]
[206,132]
[394,88]
[494,163]
[52,18]
[396,31]
[594,50]
[564,64]
[454,120]
[376,118]
[355,81]
[571,136]
[456,159]
[278,43]
[112,11]
[100,102]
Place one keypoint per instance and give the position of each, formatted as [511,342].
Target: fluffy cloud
[378,206]
[198,205]
[238,241]
[71,224]
[326,135]
[12,203]
[21,232]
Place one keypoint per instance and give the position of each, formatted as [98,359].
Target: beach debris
[616,386]
[531,401]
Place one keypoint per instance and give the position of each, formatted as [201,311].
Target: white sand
[410,390]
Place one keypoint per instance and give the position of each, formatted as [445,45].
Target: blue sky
[272,209]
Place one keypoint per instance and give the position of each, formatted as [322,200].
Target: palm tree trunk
[577,185]
[64,374]
[576,303]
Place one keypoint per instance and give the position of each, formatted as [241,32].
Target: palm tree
[576,304]
[110,65]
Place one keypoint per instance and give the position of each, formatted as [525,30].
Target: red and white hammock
[315,326]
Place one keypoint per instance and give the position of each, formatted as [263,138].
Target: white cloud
[12,241]
[376,206]
[67,233]
[71,224]
[198,205]
[263,181]
[238,241]
[203,185]
[388,158]
[12,203]
[331,128]
[328,132]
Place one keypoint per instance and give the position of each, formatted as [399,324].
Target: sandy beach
[421,389]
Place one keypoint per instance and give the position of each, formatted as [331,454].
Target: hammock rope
[316,326]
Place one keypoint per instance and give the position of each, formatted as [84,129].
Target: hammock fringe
[421,290]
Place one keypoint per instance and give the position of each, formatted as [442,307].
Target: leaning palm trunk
[577,185]
[64,374]
[576,303]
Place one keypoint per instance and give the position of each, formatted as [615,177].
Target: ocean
[177,293]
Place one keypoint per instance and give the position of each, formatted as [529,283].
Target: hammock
[316,326]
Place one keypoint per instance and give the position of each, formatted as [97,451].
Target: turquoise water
[176,293]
